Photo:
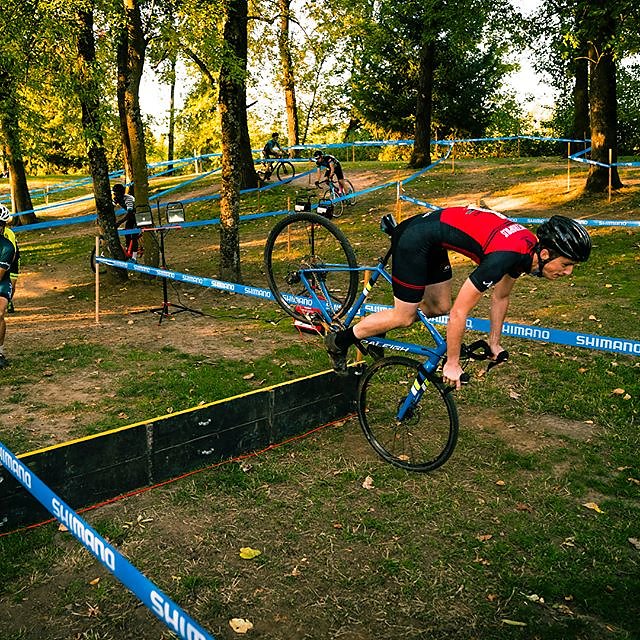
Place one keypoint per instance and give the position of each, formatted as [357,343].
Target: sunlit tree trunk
[136,48]
[88,90]
[172,113]
[122,83]
[288,79]
[421,156]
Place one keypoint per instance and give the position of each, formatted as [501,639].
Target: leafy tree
[21,22]
[415,62]
[88,90]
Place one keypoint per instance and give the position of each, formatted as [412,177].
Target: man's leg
[403,314]
[436,300]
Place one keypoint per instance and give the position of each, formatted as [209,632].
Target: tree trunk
[580,127]
[10,127]
[122,82]
[288,80]
[88,91]
[233,118]
[172,114]
[421,156]
[604,115]
[136,49]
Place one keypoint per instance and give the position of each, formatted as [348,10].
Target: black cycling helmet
[566,237]
[118,189]
[275,134]
[317,154]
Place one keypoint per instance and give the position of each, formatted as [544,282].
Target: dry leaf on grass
[618,392]
[247,553]
[514,623]
[593,506]
[368,483]
[249,376]
[635,543]
[484,537]
[240,625]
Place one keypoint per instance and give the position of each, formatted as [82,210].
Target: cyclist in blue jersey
[7,255]
[421,273]
[332,167]
[272,148]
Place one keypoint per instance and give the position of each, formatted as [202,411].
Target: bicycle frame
[431,355]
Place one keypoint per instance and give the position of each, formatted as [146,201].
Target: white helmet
[5,214]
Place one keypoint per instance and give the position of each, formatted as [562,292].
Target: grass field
[529,531]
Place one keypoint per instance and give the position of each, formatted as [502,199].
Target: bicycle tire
[92,262]
[424,440]
[350,189]
[338,207]
[285,171]
[309,240]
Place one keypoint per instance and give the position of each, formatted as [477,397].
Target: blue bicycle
[407,413]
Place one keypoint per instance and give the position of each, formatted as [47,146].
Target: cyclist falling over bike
[421,274]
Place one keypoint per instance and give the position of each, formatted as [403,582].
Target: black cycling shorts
[419,259]
[337,171]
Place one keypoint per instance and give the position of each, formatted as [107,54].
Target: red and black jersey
[496,244]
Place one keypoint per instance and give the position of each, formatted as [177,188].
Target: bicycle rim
[285,171]
[338,207]
[350,189]
[309,241]
[426,438]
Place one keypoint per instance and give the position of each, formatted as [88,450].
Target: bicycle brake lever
[503,356]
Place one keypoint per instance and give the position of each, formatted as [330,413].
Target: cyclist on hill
[421,273]
[332,167]
[7,255]
[128,203]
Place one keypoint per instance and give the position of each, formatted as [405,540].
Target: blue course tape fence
[540,334]
[153,598]
[586,223]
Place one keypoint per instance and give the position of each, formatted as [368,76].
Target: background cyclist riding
[271,149]
[332,167]
[421,273]
[128,203]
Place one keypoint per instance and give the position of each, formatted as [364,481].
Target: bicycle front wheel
[285,171]
[426,437]
[309,241]
[338,207]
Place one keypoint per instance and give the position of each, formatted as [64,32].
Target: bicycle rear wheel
[351,201]
[309,241]
[285,171]
[425,439]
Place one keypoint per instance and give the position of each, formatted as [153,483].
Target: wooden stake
[568,167]
[97,281]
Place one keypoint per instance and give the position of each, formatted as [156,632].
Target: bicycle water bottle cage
[388,224]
